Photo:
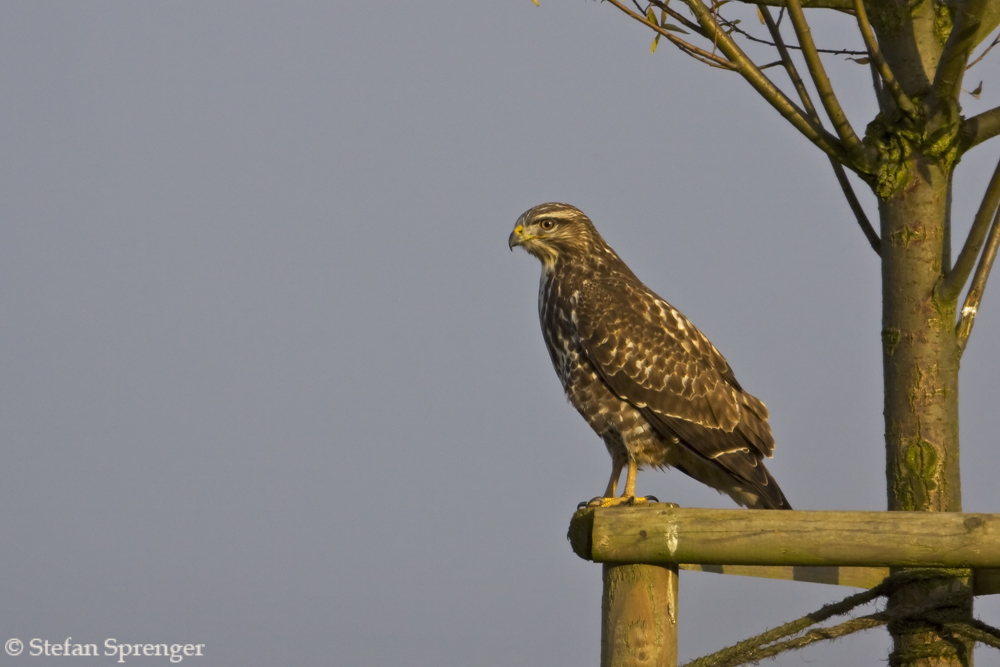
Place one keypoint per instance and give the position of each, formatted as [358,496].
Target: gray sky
[272,381]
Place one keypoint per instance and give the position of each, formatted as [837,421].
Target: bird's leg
[633,470]
[608,499]
[628,495]
[616,472]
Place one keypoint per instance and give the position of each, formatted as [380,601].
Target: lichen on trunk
[920,363]
[920,348]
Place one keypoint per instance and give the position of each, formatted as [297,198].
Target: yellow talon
[628,501]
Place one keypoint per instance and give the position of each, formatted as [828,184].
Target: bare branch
[736,59]
[947,236]
[883,104]
[983,54]
[859,213]
[838,169]
[843,5]
[979,128]
[898,96]
[789,64]
[680,18]
[975,295]
[690,49]
[958,49]
[860,159]
[949,288]
[788,109]
[731,25]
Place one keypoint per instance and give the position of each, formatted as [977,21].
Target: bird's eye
[547,223]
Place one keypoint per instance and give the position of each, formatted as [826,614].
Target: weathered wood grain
[639,616]
[761,537]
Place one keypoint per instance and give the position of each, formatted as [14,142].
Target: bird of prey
[648,382]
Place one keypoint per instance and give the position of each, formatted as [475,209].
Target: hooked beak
[516,237]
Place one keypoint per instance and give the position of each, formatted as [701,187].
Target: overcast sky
[273,382]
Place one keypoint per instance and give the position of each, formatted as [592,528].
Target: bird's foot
[627,501]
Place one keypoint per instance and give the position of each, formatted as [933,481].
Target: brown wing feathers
[655,356]
[650,355]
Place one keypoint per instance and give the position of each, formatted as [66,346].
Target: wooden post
[639,616]
[640,548]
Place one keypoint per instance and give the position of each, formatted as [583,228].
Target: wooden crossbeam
[858,577]
[846,548]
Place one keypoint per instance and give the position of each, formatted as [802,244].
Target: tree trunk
[920,348]
[921,362]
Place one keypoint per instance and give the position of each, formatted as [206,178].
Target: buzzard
[648,382]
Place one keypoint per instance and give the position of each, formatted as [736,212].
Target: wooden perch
[845,548]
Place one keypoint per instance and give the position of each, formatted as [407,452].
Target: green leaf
[674,28]
[860,61]
[656,40]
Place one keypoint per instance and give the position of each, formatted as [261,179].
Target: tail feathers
[771,496]
[730,461]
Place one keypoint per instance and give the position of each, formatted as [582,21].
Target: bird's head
[551,230]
